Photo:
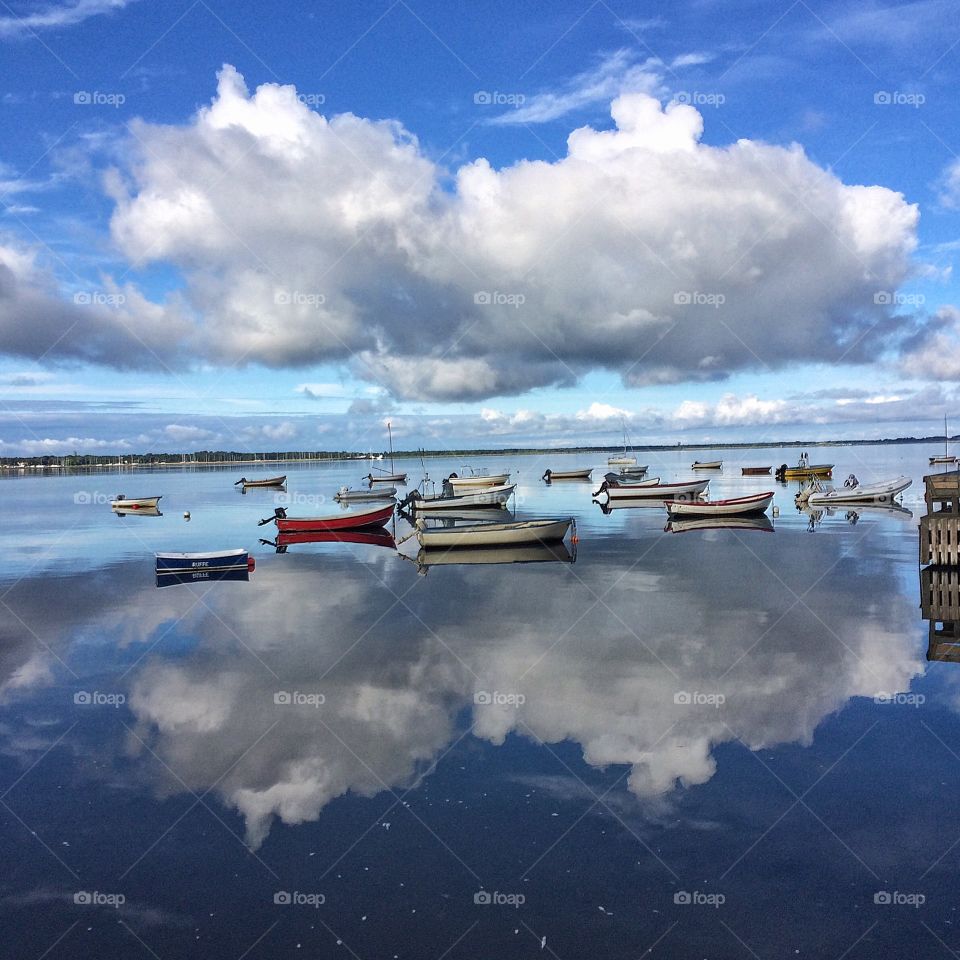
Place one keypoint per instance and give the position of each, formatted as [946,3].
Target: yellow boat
[802,473]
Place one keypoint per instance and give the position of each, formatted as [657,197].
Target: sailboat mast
[390,432]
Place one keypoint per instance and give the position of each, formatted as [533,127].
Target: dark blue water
[714,743]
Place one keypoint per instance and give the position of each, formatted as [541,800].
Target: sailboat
[392,476]
[625,458]
[946,458]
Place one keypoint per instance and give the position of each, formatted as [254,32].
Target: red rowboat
[344,520]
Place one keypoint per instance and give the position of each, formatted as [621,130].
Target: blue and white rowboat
[217,561]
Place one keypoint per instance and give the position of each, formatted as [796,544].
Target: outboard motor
[546,476]
[279,513]
[781,472]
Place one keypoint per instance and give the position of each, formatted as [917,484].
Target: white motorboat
[477,480]
[646,489]
[494,534]
[883,491]
[477,497]
[737,506]
[346,495]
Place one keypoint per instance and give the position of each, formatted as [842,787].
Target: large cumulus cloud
[304,239]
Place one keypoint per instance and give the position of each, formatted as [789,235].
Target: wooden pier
[940,528]
[940,582]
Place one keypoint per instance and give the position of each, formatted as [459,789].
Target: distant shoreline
[241,461]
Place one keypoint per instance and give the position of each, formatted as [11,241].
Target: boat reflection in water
[940,605]
[685,524]
[201,576]
[610,505]
[852,514]
[140,512]
[555,552]
[372,538]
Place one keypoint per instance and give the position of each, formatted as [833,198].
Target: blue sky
[164,284]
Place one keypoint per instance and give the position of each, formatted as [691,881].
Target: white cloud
[303,239]
[64,15]
[935,353]
[603,411]
[615,74]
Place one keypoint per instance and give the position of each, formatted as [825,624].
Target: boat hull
[269,482]
[193,563]
[386,478]
[494,534]
[706,465]
[350,520]
[737,506]
[814,470]
[496,480]
[651,490]
[202,576]
[359,496]
[373,537]
[755,471]
[487,497]
[552,475]
[883,492]
[935,460]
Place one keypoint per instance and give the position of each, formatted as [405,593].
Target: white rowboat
[706,465]
[494,534]
[552,475]
[683,490]
[478,497]
[479,480]
[737,506]
[346,495]
[134,503]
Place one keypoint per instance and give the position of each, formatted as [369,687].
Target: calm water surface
[672,744]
